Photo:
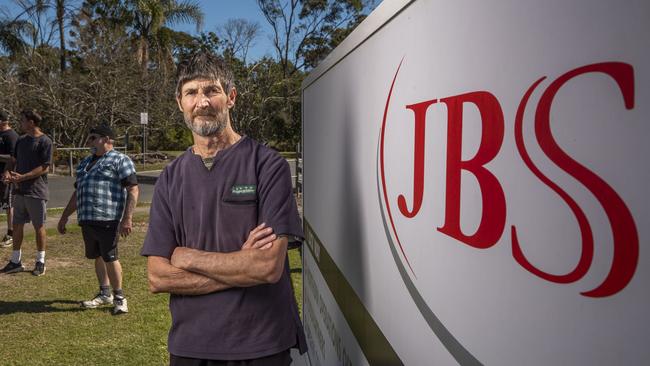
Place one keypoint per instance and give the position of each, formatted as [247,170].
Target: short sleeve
[130,181]
[45,152]
[277,205]
[125,168]
[160,239]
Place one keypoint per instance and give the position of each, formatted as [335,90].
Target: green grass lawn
[41,322]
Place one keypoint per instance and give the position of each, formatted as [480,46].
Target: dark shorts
[28,209]
[6,192]
[100,241]
[279,359]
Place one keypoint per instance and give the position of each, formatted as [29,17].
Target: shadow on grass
[50,306]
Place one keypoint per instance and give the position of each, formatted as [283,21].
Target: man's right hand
[261,237]
[61,225]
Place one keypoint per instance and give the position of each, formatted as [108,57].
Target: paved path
[61,188]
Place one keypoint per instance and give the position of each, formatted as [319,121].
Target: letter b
[493,215]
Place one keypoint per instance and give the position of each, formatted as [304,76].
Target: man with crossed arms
[221,219]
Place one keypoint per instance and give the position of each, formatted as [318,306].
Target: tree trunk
[60,12]
[143,54]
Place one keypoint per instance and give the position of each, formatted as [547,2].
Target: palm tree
[40,29]
[150,18]
[11,36]
[60,13]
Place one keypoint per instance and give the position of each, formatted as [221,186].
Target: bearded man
[222,217]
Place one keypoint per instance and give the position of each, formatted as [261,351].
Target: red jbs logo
[493,216]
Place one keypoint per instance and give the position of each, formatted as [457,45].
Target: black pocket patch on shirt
[241,193]
[243,189]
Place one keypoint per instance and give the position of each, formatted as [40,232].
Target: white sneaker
[7,241]
[99,300]
[120,306]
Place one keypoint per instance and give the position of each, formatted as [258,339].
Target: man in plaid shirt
[105,197]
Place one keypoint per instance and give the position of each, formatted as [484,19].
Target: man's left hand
[126,225]
[15,177]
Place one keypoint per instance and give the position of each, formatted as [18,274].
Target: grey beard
[208,128]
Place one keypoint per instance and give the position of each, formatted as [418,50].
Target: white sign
[144,118]
[475,185]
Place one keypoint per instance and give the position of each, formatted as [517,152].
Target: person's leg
[41,238]
[7,204]
[104,297]
[108,248]
[8,240]
[41,244]
[36,209]
[114,270]
[100,271]
[21,216]
[15,264]
[10,218]
[18,236]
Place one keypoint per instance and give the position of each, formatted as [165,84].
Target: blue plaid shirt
[100,194]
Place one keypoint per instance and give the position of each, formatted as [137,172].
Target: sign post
[144,121]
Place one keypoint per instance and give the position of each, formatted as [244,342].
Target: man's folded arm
[244,268]
[165,278]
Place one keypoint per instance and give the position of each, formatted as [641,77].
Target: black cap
[3,116]
[103,130]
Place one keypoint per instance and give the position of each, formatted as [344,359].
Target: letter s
[626,240]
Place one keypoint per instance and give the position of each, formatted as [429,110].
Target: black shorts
[100,240]
[279,359]
[6,193]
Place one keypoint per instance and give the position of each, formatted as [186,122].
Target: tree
[41,29]
[11,36]
[301,26]
[239,34]
[60,16]
[41,24]
[113,63]
[149,21]
[304,32]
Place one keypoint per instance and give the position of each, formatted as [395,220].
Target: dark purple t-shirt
[214,210]
[30,153]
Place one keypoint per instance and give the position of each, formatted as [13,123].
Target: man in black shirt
[222,217]
[27,170]
[8,138]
